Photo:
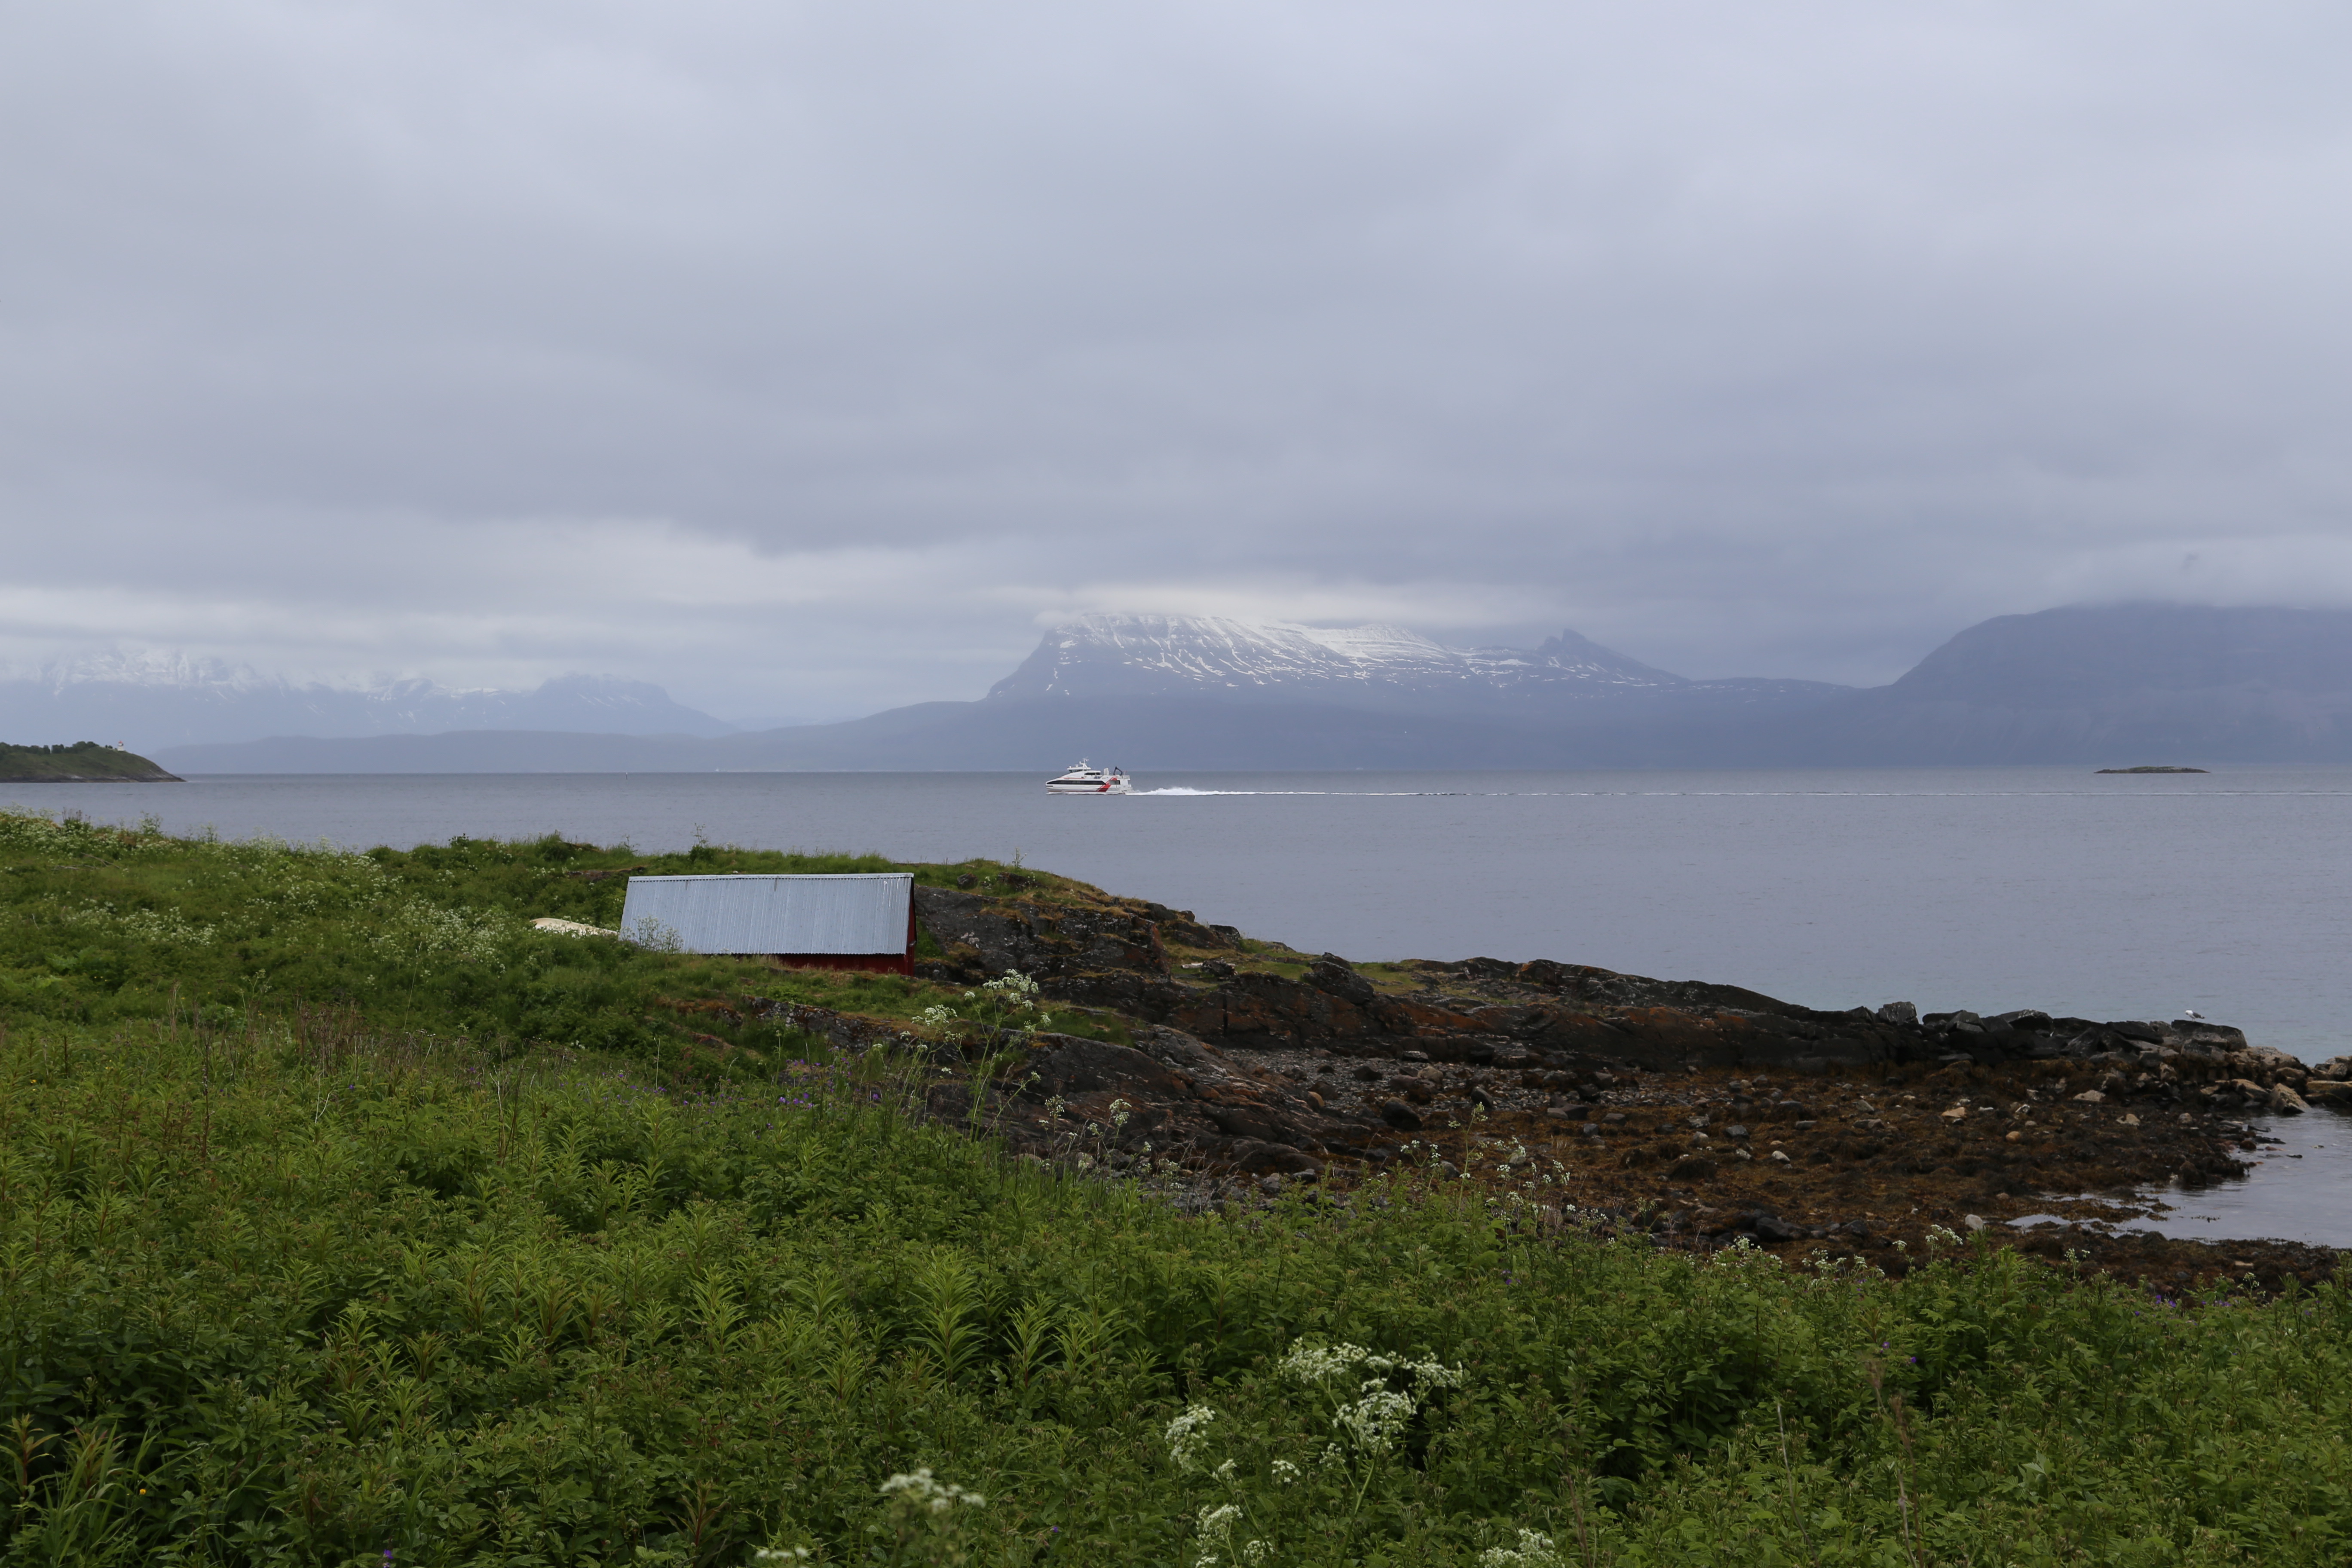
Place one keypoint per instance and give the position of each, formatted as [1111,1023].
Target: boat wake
[1366,794]
[1718,794]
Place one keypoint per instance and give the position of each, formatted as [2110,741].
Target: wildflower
[921,1490]
[777,1554]
[1225,1472]
[1536,1550]
[1312,1363]
[1184,1436]
[1374,1422]
[1286,1472]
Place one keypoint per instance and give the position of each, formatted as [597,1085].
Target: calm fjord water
[2110,897]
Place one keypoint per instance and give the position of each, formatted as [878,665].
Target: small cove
[2300,1188]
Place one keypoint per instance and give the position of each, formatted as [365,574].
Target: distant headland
[84,761]
[2148,768]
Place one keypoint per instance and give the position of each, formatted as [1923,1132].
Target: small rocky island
[84,761]
[1689,1114]
[2152,769]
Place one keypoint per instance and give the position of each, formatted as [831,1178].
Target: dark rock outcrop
[1485,1010]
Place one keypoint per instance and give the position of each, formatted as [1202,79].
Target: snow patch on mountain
[1100,655]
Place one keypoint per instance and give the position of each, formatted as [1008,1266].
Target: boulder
[1772,1228]
[1067,1065]
[1902,1014]
[2335,1068]
[1177,1049]
[1400,1116]
[1255,1157]
[2285,1101]
[1254,1122]
[2333,1093]
[1334,975]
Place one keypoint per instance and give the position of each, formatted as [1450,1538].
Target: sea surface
[2137,896]
[2106,897]
[2300,1188]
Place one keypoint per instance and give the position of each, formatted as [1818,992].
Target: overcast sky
[810,358]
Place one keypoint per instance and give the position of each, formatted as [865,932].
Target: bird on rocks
[2192,1012]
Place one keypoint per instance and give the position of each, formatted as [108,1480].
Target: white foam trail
[1350,794]
[1725,794]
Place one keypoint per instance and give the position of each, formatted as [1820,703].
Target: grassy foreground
[300,1283]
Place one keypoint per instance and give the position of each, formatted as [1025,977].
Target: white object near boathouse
[862,919]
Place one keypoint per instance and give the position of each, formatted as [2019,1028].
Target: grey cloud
[1752,341]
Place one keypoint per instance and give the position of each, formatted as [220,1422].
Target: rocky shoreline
[1692,1115]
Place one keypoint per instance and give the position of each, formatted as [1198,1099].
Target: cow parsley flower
[1184,1436]
[1536,1550]
[921,1490]
[1374,1422]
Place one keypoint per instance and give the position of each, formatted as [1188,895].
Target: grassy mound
[282,1281]
[102,924]
[84,761]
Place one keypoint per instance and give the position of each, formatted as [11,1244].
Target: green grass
[102,924]
[282,1287]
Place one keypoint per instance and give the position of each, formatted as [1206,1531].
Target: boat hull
[1084,778]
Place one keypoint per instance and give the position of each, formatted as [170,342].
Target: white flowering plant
[1302,1467]
[1009,1002]
[927,1519]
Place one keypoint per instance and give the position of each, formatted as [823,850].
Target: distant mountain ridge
[2090,685]
[1378,668]
[159,700]
[2138,682]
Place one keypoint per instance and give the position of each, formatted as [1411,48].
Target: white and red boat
[1085,779]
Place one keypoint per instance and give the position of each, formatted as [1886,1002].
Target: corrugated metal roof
[865,912]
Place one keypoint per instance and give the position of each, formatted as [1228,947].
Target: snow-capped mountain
[152,699]
[1378,667]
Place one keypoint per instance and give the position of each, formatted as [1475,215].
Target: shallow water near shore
[2300,1189]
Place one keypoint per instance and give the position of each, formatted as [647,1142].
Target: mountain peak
[1387,667]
